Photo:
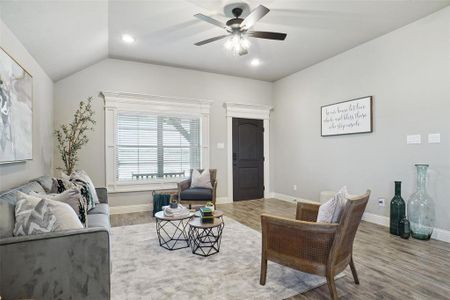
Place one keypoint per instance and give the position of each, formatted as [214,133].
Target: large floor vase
[421,212]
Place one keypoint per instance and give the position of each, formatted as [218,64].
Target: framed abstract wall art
[347,117]
[16,111]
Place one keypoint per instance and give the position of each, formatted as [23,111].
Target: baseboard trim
[223,200]
[376,219]
[441,235]
[289,198]
[126,209]
[438,234]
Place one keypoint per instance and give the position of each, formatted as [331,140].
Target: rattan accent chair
[317,248]
[195,196]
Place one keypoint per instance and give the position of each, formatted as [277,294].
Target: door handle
[234,156]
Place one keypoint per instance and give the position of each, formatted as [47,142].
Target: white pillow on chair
[330,211]
[202,180]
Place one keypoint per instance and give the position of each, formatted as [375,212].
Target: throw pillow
[81,178]
[202,180]
[60,185]
[73,198]
[32,218]
[341,200]
[65,216]
[330,211]
[326,211]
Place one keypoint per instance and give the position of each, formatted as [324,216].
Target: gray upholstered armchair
[190,196]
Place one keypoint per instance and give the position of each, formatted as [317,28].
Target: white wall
[408,74]
[126,76]
[15,174]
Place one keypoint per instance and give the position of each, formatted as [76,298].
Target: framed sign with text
[347,117]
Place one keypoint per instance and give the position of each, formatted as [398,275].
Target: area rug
[141,269]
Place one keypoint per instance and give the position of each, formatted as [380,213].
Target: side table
[205,238]
[172,231]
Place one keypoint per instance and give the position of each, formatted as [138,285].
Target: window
[151,141]
[154,146]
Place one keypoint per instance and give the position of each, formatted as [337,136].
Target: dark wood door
[248,159]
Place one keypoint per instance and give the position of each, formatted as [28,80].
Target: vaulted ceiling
[66,36]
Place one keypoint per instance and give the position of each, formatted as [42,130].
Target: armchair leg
[332,287]
[352,267]
[262,279]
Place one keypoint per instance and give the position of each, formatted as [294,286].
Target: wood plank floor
[388,266]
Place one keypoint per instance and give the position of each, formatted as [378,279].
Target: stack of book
[206,214]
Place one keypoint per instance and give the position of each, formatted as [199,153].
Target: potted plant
[72,136]
[210,205]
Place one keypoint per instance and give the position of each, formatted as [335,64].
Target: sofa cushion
[101,208]
[8,201]
[10,196]
[7,219]
[46,182]
[98,220]
[196,194]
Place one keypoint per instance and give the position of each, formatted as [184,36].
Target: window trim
[121,102]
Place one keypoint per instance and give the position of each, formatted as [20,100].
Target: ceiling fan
[238,30]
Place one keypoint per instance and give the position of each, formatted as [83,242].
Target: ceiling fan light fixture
[237,43]
[239,28]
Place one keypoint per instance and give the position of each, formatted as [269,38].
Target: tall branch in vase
[72,136]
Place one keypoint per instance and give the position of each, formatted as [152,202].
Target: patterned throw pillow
[66,217]
[60,185]
[82,179]
[33,218]
[73,198]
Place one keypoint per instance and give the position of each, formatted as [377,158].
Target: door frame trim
[247,111]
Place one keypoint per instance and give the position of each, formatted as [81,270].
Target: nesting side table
[205,238]
[171,231]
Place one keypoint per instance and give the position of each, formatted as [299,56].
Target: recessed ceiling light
[255,62]
[127,38]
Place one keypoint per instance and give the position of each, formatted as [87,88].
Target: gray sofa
[72,264]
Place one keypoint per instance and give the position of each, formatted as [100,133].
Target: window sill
[142,187]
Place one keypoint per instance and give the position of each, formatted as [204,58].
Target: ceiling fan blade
[254,16]
[211,21]
[201,43]
[267,35]
[243,51]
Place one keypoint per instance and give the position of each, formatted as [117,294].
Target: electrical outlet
[414,139]
[381,202]
[294,187]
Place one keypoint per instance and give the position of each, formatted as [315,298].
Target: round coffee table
[172,231]
[205,238]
